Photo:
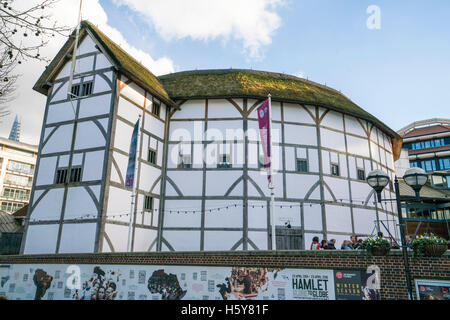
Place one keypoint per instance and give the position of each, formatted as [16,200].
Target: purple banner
[264,131]
[129,181]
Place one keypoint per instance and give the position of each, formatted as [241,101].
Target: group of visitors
[352,244]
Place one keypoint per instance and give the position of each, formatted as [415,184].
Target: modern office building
[17,164]
[201,182]
[426,144]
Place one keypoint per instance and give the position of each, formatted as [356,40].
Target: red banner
[264,131]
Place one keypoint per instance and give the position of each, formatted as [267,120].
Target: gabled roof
[125,63]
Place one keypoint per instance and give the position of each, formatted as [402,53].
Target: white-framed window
[148,203]
[335,169]
[185,161]
[301,165]
[361,174]
[224,161]
[151,156]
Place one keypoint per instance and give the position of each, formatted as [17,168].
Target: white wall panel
[313,217]
[89,136]
[225,218]
[364,220]
[79,204]
[78,238]
[257,215]
[95,106]
[338,218]
[358,146]
[102,62]
[61,112]
[192,109]
[226,178]
[49,208]
[223,109]
[333,120]
[182,219]
[298,185]
[128,111]
[46,172]
[143,238]
[177,240]
[221,240]
[36,243]
[148,176]
[118,204]
[60,141]
[296,113]
[133,92]
[118,235]
[93,166]
[259,239]
[302,135]
[332,140]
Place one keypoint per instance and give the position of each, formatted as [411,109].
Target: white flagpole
[74,54]
[133,192]
[271,184]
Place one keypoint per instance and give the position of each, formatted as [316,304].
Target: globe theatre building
[201,182]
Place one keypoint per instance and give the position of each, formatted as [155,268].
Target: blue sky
[400,73]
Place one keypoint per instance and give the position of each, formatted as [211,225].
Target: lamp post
[416,179]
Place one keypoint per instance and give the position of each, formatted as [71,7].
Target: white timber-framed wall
[64,217]
[133,102]
[317,202]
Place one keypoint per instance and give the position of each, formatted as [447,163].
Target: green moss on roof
[258,84]
[127,63]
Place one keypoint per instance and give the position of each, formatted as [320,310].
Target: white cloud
[30,105]
[251,21]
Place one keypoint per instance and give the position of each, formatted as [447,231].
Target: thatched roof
[124,62]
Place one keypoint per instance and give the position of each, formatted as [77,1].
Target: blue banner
[129,180]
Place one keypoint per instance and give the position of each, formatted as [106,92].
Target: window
[148,203]
[334,169]
[16,194]
[75,90]
[185,161]
[20,167]
[151,156]
[11,206]
[87,88]
[156,108]
[61,175]
[361,174]
[224,161]
[75,174]
[302,165]
[18,180]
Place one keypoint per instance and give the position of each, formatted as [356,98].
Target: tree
[25,28]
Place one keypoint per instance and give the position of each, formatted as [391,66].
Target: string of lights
[193,210]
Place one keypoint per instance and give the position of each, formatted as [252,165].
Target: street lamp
[416,179]
[378,180]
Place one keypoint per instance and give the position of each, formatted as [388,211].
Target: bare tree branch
[23,32]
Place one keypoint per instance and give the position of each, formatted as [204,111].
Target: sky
[395,64]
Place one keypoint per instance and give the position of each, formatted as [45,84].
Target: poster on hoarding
[433,289]
[128,282]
